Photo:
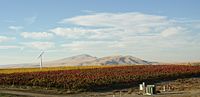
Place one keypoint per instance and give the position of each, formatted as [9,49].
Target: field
[95,78]
[20,70]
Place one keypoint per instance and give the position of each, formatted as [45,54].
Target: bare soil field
[188,87]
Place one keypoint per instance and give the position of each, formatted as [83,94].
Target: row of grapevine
[91,79]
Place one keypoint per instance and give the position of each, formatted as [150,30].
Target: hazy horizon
[36,61]
[163,31]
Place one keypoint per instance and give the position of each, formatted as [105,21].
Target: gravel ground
[189,87]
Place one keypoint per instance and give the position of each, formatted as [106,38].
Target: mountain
[84,60]
[71,61]
[119,60]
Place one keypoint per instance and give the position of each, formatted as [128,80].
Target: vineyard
[20,70]
[96,78]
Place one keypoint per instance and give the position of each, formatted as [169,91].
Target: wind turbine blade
[40,55]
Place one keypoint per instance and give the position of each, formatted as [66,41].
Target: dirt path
[28,94]
[170,94]
[189,87]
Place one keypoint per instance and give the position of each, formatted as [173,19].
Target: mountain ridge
[119,60]
[85,60]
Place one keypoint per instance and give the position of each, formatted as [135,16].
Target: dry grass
[19,70]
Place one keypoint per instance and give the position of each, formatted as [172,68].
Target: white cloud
[70,32]
[87,11]
[88,45]
[36,35]
[120,20]
[119,25]
[172,31]
[74,46]
[196,25]
[115,25]
[10,47]
[15,28]
[86,33]
[39,45]
[5,38]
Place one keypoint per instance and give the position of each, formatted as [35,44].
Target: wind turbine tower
[40,56]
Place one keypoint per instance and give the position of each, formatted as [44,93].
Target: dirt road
[28,94]
[189,87]
[167,94]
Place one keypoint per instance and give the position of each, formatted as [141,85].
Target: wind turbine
[40,56]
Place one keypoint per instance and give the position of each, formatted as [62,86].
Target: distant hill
[71,61]
[84,60]
[119,60]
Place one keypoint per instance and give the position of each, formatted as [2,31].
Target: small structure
[167,88]
[150,90]
[147,89]
[142,88]
[164,88]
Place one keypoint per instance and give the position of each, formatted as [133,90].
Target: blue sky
[153,30]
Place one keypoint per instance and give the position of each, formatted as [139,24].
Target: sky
[156,30]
